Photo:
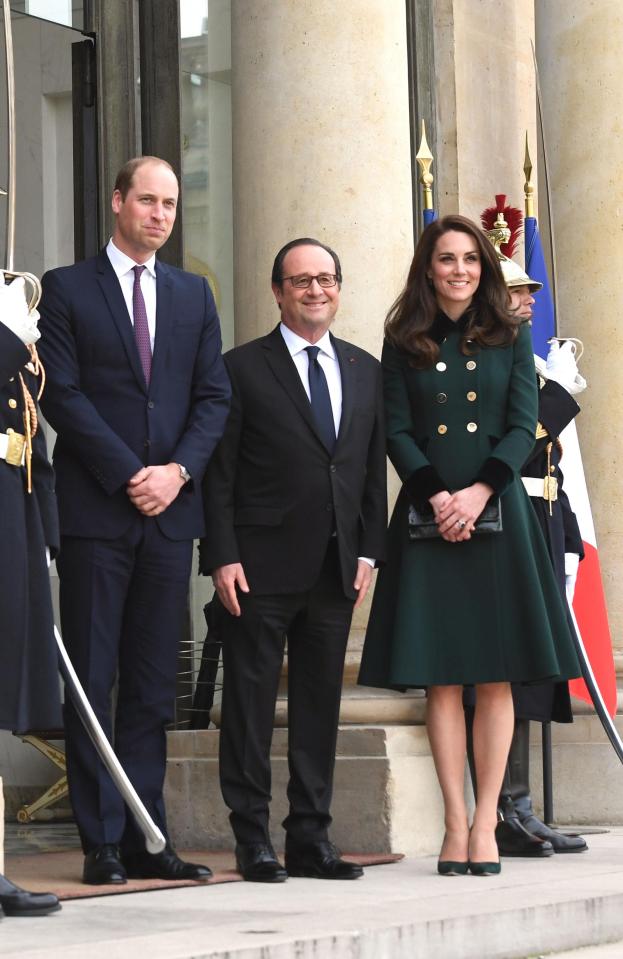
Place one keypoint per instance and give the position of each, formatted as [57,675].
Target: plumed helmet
[502,224]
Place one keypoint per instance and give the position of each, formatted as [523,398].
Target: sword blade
[595,693]
[10,98]
[154,840]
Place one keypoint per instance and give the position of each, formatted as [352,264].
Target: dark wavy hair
[489,320]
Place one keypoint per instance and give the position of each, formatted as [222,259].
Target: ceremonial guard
[520,832]
[29,683]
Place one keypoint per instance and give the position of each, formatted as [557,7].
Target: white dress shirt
[124,269]
[328,361]
[331,368]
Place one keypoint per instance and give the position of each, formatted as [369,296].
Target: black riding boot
[522,801]
[512,837]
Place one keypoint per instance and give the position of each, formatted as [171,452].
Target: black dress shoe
[103,867]
[164,865]
[561,843]
[319,860]
[257,862]
[17,902]
[514,840]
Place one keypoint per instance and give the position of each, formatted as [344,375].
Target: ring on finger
[461,523]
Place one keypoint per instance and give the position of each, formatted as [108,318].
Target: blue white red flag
[543,317]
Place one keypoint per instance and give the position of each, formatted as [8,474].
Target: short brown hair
[277,274]
[125,175]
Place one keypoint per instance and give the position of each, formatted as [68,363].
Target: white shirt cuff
[366,559]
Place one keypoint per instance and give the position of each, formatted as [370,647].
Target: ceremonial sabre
[154,840]
[10,96]
[591,684]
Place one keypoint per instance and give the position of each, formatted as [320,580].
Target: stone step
[386,795]
[400,911]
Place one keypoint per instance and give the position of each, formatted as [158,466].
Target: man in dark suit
[296,509]
[138,395]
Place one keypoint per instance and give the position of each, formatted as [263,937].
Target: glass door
[44,196]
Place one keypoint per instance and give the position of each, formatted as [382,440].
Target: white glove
[14,311]
[572,561]
[562,367]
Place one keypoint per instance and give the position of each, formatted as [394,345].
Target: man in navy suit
[138,395]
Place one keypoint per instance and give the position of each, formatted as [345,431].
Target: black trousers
[316,623]
[122,611]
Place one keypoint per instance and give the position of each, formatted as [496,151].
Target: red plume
[514,220]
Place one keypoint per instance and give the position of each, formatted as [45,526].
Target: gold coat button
[471,396]
[471,364]
[442,428]
[441,366]
[13,404]
[441,397]
[472,427]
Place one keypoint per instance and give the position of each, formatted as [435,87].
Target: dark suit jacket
[109,423]
[272,489]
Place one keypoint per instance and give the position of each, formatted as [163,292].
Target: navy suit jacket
[109,422]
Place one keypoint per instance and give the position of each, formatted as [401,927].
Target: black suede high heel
[485,868]
[447,867]
[451,867]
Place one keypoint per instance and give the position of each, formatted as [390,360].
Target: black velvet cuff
[423,484]
[495,473]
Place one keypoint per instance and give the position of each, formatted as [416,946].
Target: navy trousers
[123,606]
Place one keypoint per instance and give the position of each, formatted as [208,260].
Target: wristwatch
[184,473]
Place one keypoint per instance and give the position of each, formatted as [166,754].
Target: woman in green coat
[464,607]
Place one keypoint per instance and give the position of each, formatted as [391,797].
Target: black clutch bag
[422,523]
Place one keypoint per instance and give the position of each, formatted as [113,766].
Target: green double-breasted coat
[484,610]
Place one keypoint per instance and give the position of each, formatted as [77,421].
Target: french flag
[589,603]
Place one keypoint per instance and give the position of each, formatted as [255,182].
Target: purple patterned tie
[141,326]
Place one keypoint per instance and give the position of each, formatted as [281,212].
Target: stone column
[578,47]
[321,148]
[485,101]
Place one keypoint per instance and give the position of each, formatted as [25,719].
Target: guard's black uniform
[547,702]
[29,683]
